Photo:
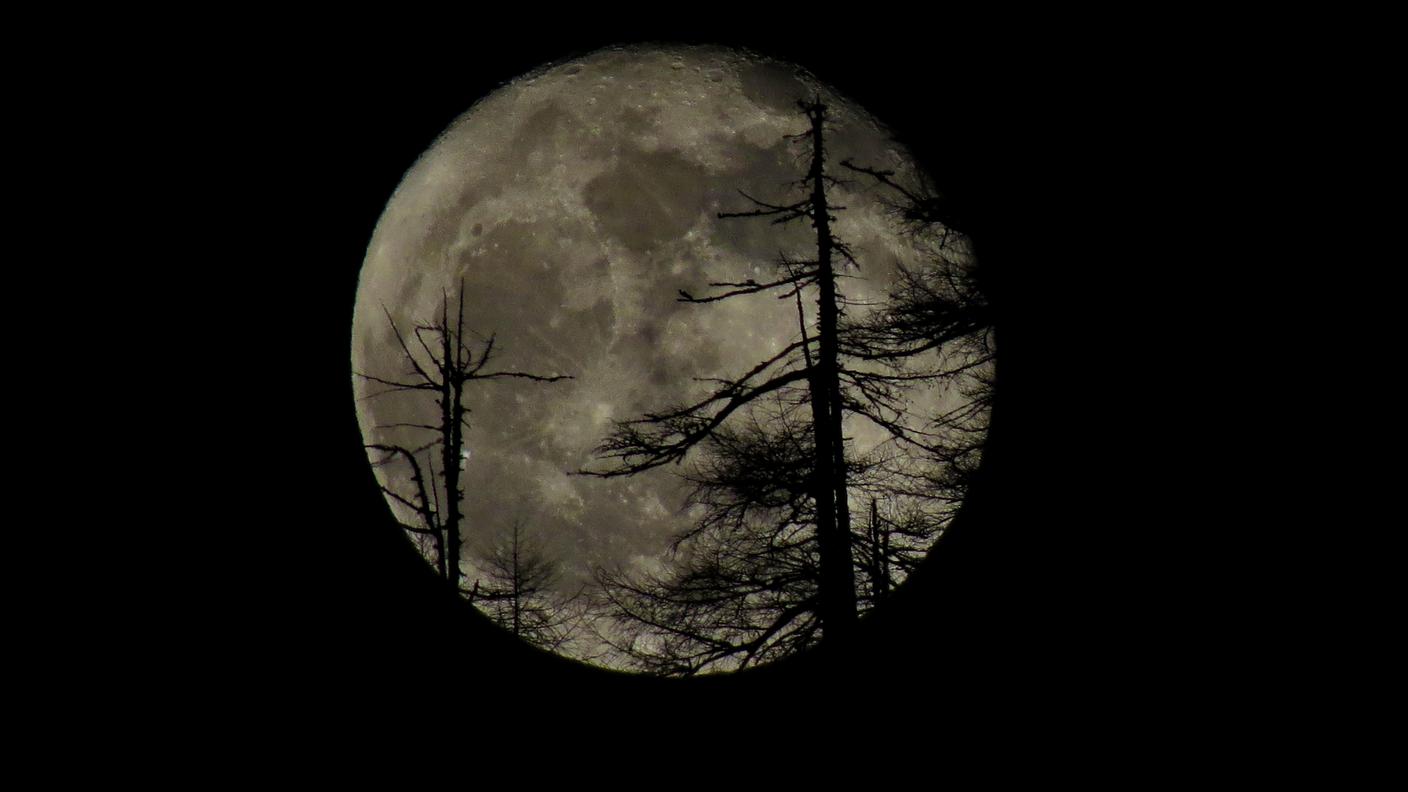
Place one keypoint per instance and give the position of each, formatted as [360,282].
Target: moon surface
[573,204]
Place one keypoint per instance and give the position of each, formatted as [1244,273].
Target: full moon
[568,211]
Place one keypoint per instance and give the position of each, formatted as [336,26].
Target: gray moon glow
[574,204]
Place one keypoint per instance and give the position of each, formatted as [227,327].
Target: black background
[1048,594]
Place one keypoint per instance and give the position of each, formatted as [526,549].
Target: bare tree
[940,308]
[666,436]
[519,589]
[775,562]
[426,529]
[742,586]
[443,363]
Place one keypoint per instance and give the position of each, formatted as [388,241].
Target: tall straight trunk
[438,529]
[455,455]
[830,607]
[451,440]
[517,585]
[838,580]
[877,589]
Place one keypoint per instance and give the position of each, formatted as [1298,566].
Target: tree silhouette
[743,584]
[519,590]
[941,307]
[666,436]
[448,364]
[770,568]
[426,530]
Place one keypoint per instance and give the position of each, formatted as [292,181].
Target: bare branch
[397,386]
[789,212]
[523,375]
[409,357]
[747,287]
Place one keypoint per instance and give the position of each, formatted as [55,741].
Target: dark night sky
[573,207]
[1028,600]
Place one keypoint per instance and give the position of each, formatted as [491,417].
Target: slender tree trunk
[885,561]
[439,530]
[517,585]
[822,493]
[450,447]
[457,454]
[431,517]
[878,586]
[838,580]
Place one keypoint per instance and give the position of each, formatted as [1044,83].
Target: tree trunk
[517,585]
[877,589]
[450,447]
[838,592]
[429,516]
[822,493]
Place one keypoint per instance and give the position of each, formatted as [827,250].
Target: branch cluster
[519,589]
[774,479]
[441,363]
[746,580]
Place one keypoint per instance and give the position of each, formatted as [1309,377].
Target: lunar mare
[573,205]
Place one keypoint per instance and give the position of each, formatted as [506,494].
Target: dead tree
[772,562]
[428,528]
[519,591]
[893,540]
[664,437]
[449,363]
[743,584]
[775,560]
[940,309]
